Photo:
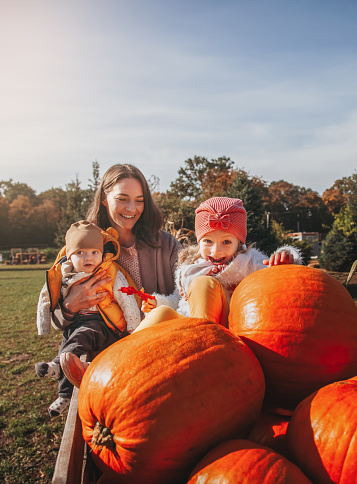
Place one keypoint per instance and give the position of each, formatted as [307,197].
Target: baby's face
[86,260]
[218,247]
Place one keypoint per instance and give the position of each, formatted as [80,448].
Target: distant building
[313,237]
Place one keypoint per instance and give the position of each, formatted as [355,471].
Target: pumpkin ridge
[346,464]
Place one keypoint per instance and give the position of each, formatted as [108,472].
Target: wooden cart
[74,464]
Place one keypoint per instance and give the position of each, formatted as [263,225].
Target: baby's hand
[279,258]
[148,305]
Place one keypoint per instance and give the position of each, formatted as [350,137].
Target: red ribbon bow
[219,222]
[130,290]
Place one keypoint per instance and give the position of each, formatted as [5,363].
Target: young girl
[208,273]
[112,315]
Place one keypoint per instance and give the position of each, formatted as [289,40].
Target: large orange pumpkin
[244,462]
[322,434]
[157,400]
[301,324]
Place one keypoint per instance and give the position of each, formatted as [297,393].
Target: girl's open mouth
[216,261]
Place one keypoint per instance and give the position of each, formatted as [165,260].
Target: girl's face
[218,247]
[125,204]
[86,260]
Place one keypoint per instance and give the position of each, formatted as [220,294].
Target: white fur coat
[241,266]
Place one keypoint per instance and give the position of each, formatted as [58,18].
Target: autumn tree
[4,221]
[56,195]
[198,180]
[297,208]
[45,220]
[334,200]
[178,213]
[11,190]
[31,223]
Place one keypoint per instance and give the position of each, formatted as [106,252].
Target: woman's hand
[83,296]
[279,258]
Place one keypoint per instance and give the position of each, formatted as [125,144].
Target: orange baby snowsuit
[110,310]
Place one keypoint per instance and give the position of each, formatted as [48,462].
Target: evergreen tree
[336,252]
[250,191]
[73,210]
[154,184]
[352,199]
[93,184]
[339,249]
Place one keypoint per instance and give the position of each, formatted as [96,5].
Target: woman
[123,201]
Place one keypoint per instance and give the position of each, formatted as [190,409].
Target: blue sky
[271,84]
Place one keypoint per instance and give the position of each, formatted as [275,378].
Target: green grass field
[29,438]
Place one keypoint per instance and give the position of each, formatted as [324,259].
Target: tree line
[274,209]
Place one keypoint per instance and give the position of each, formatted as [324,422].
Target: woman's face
[125,204]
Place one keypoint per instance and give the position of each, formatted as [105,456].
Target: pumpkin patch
[155,402]
[301,323]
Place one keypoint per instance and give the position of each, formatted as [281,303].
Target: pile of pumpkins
[270,400]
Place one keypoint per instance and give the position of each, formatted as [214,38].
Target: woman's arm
[84,295]
[80,296]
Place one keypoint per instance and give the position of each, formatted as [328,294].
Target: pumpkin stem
[102,437]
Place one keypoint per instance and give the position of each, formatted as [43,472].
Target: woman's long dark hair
[150,222]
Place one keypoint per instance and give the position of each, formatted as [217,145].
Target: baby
[88,250]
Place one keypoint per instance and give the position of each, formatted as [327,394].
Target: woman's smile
[125,204]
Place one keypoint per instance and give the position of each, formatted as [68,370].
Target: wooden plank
[74,464]
[70,459]
[351,273]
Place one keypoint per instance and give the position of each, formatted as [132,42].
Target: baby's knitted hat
[83,235]
[221,213]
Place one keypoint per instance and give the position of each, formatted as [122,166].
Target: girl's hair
[191,253]
[150,222]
